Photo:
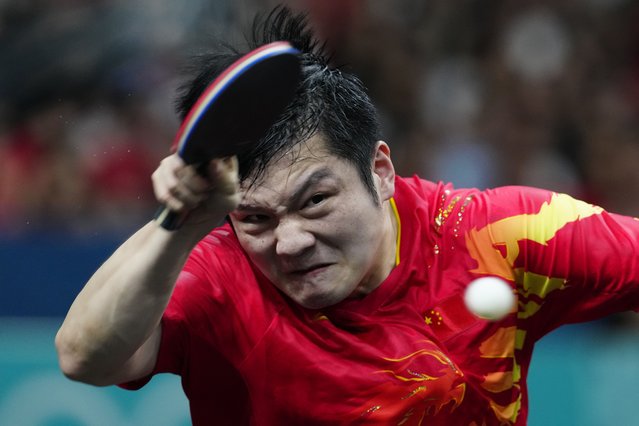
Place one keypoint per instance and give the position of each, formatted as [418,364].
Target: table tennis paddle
[236,110]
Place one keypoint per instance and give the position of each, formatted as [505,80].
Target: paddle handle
[169,219]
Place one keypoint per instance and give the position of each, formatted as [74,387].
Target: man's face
[313,229]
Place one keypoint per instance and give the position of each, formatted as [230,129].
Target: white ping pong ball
[489,298]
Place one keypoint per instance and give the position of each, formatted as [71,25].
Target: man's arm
[112,331]
[572,261]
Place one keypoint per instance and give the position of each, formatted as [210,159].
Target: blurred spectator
[41,184]
[481,94]
[114,152]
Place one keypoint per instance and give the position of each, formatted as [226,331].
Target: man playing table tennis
[334,292]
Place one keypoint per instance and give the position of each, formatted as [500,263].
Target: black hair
[329,101]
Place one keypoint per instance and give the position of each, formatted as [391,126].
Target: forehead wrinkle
[298,166]
[288,196]
[255,204]
[295,162]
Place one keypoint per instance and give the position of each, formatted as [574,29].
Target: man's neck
[388,253]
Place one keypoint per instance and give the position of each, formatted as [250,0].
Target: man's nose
[292,239]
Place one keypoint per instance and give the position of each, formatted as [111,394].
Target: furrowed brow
[298,191]
[311,180]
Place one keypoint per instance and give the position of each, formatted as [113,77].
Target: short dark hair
[329,101]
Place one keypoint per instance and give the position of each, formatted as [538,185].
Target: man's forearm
[122,303]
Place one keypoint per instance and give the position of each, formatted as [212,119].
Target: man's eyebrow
[315,177]
[298,192]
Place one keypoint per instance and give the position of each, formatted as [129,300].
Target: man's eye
[315,200]
[255,218]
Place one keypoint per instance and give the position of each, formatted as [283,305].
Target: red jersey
[408,353]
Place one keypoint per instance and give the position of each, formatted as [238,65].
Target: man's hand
[207,198]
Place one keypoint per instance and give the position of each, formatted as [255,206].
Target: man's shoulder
[415,187]
[418,187]
[440,200]
[416,191]
[415,184]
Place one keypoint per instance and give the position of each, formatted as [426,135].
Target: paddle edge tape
[227,77]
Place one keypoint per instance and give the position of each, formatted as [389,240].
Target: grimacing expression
[313,229]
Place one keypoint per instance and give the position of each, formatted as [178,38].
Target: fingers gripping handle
[170,219]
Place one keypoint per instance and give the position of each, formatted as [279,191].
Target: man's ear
[384,171]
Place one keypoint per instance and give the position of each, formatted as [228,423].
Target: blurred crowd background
[478,93]
[541,93]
